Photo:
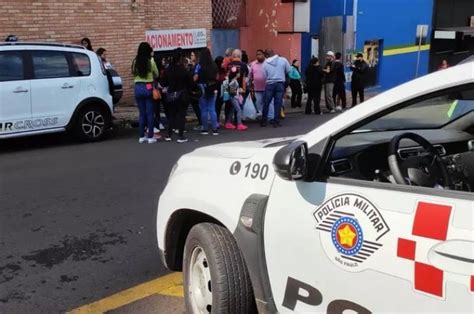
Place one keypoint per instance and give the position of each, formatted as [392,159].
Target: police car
[372,211]
[48,88]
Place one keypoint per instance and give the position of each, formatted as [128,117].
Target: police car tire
[230,281]
[78,129]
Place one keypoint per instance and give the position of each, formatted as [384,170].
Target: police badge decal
[352,229]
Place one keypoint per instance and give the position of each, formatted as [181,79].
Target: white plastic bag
[249,111]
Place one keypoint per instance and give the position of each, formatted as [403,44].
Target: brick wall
[111,24]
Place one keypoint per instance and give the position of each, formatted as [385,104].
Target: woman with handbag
[178,81]
[145,71]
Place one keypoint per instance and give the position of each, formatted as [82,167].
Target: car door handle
[67,86]
[456,256]
[20,90]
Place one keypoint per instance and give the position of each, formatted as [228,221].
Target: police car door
[337,245]
[368,247]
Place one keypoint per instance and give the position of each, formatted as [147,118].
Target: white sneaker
[152,140]
[142,140]
[161,126]
[339,109]
[333,111]
[155,130]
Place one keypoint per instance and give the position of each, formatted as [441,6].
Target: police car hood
[241,150]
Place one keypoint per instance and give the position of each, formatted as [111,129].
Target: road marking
[170,285]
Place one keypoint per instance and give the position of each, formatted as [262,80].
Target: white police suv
[372,212]
[47,88]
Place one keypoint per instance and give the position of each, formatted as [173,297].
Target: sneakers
[198,128]
[182,140]
[152,140]
[215,132]
[161,126]
[339,109]
[142,140]
[155,130]
[168,139]
[332,111]
[242,127]
[157,136]
[204,132]
[229,126]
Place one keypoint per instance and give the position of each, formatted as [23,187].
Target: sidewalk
[127,116]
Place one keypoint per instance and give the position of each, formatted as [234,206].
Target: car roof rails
[45,44]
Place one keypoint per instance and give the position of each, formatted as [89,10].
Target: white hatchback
[48,88]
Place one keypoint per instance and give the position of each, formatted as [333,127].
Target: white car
[48,88]
[372,211]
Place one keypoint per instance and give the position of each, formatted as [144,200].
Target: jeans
[275,92]
[208,109]
[219,103]
[328,90]
[197,110]
[314,96]
[296,93]
[260,101]
[236,109]
[357,89]
[177,116]
[340,90]
[144,100]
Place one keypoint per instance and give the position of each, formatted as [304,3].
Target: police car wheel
[215,276]
[91,124]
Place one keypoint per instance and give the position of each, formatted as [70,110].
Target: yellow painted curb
[170,285]
[398,51]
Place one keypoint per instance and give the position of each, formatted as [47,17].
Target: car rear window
[11,66]
[50,64]
[81,64]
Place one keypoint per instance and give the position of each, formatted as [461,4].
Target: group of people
[209,86]
[330,78]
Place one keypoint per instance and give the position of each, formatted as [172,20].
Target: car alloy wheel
[200,282]
[93,124]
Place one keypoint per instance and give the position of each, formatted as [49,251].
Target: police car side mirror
[291,161]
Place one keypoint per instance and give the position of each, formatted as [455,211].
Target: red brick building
[116,25]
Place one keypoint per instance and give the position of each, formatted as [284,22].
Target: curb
[133,123]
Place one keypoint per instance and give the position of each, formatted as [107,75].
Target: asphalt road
[77,221]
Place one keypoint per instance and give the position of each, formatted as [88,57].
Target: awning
[451,32]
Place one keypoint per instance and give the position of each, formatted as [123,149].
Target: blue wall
[221,39]
[393,21]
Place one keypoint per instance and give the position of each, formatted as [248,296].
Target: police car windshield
[430,113]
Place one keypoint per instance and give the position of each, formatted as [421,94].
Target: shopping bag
[249,112]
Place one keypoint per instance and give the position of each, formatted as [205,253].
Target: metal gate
[331,36]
